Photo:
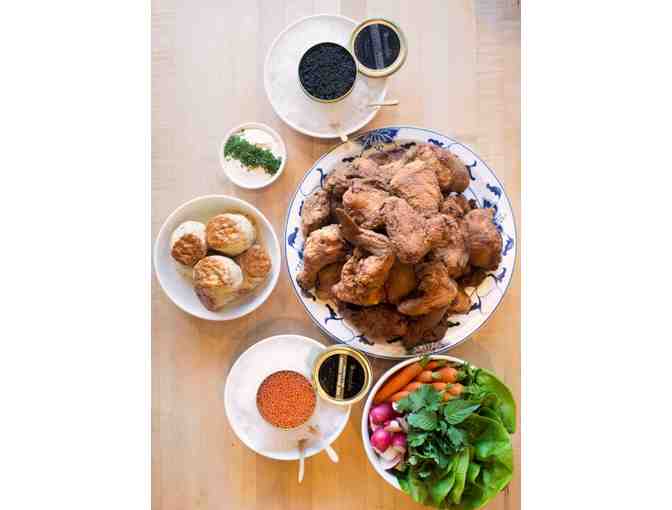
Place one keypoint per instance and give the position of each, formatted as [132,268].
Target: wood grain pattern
[462,78]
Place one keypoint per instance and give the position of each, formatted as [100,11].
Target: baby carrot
[426,376]
[397,382]
[455,389]
[413,386]
[433,365]
[398,396]
[439,386]
[446,374]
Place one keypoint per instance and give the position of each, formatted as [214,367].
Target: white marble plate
[281,81]
[484,187]
[282,352]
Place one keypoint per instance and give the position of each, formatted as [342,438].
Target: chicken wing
[448,238]
[364,201]
[451,173]
[436,290]
[483,240]
[406,228]
[417,183]
[364,274]
[378,323]
[324,246]
[315,212]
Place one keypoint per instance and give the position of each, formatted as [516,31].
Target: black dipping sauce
[377,46]
[354,376]
[327,71]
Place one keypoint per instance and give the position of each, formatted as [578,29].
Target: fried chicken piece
[406,229]
[472,277]
[315,212]
[400,282]
[483,240]
[364,201]
[451,173]
[422,326]
[379,323]
[416,182]
[324,246]
[457,206]
[364,274]
[436,290]
[326,279]
[339,180]
[461,303]
[448,237]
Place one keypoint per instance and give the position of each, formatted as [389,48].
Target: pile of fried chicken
[391,239]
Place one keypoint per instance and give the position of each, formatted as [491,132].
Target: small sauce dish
[263,137]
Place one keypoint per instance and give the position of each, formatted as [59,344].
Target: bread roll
[255,264]
[230,234]
[217,280]
[188,244]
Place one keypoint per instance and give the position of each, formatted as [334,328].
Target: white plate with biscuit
[217,257]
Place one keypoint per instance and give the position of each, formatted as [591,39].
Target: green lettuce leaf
[461,467]
[505,405]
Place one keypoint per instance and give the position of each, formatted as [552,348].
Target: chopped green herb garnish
[250,155]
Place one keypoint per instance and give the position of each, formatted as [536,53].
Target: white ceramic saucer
[282,352]
[281,81]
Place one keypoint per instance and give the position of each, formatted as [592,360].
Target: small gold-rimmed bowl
[392,67]
[305,87]
[342,375]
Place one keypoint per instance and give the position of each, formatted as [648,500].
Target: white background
[74,327]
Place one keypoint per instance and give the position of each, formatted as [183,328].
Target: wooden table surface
[462,78]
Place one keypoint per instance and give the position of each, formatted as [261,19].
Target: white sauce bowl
[254,179]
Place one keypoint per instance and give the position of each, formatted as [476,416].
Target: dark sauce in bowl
[327,71]
[377,46]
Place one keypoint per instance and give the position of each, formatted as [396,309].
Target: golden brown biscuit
[230,233]
[255,264]
[216,281]
[188,244]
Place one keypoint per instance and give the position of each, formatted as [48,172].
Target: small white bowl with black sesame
[252,155]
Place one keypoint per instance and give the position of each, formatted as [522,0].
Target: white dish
[484,187]
[282,352]
[292,105]
[255,179]
[370,453]
[179,287]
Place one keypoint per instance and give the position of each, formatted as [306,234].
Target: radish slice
[389,454]
[389,464]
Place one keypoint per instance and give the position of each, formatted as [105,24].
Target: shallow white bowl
[179,287]
[253,181]
[281,352]
[370,453]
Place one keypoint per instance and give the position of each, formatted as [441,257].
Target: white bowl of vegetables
[440,430]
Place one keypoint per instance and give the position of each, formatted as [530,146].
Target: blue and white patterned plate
[484,187]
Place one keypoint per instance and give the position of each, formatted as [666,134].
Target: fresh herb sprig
[459,451]
[250,155]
